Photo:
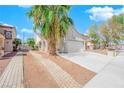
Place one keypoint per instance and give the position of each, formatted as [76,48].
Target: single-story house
[7,35]
[72,42]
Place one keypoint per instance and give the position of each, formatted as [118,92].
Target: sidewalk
[12,77]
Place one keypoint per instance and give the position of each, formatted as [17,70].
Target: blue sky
[82,15]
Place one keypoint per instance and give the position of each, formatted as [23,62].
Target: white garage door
[74,46]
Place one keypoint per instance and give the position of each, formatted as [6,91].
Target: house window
[8,35]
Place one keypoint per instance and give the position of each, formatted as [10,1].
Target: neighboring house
[72,42]
[90,45]
[40,42]
[7,35]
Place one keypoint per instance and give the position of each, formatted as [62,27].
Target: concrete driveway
[110,70]
[111,76]
[92,61]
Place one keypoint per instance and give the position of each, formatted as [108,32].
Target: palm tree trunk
[52,41]
[52,48]
[52,44]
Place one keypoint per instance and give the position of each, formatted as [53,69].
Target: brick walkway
[62,78]
[12,77]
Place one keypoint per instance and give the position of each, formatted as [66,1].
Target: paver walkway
[12,77]
[62,78]
[4,61]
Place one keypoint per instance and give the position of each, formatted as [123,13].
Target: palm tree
[52,21]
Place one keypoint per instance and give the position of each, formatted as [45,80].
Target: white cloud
[103,13]
[19,36]
[86,32]
[24,6]
[25,30]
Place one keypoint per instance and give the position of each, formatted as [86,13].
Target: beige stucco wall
[13,33]
[2,40]
[12,29]
[8,43]
[1,44]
